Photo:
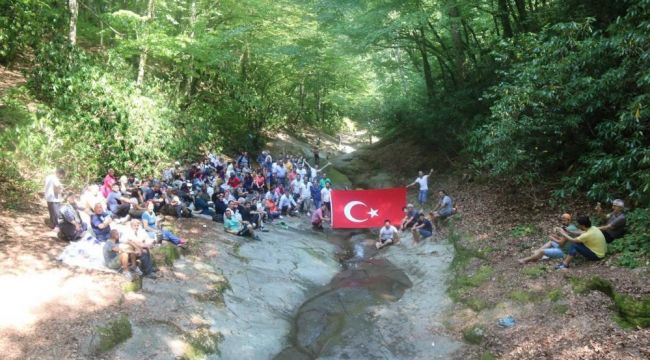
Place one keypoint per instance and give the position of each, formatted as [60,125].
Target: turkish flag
[360,209]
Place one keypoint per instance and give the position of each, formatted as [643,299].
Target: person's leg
[537,254]
[583,250]
[608,237]
[69,230]
[169,236]
[416,235]
[425,233]
[53,210]
[124,261]
[122,210]
[146,265]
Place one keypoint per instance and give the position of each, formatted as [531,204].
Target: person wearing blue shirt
[101,223]
[118,206]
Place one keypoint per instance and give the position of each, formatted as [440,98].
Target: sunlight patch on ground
[30,296]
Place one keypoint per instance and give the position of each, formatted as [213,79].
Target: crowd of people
[568,240]
[127,214]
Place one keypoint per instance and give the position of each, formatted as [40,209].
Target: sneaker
[561,267]
[151,276]
[257,238]
[127,275]
[545,257]
[136,270]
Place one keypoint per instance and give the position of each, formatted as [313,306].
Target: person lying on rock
[388,235]
[234,226]
[119,256]
[553,248]
[318,217]
[590,244]
[615,225]
[422,228]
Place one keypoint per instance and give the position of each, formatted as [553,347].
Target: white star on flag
[373,213]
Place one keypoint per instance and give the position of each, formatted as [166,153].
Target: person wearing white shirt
[296,187]
[388,234]
[53,191]
[287,204]
[305,197]
[314,170]
[326,196]
[423,181]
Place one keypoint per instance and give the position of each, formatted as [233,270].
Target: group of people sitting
[585,239]
[122,213]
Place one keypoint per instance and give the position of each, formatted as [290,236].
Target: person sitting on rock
[118,205]
[318,217]
[151,225]
[89,198]
[120,256]
[71,226]
[287,204]
[410,217]
[388,235]
[137,237]
[615,225]
[444,209]
[422,228]
[232,225]
[100,222]
[590,244]
[553,248]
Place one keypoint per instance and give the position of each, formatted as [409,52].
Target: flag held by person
[360,209]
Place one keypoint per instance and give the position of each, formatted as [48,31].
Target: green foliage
[554,295]
[577,104]
[634,247]
[520,231]
[474,335]
[535,271]
[201,343]
[26,23]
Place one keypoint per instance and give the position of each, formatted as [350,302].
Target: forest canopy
[518,89]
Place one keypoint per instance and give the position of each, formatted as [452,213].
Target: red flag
[359,209]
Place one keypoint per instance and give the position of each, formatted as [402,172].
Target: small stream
[358,315]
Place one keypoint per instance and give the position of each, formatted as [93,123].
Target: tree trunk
[426,66]
[190,79]
[143,57]
[457,41]
[74,13]
[523,16]
[504,16]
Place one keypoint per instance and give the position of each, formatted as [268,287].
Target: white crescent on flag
[348,209]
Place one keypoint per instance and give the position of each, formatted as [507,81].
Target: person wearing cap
[553,248]
[614,228]
[590,244]
[234,226]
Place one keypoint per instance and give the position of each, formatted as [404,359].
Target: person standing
[423,181]
[326,196]
[109,180]
[53,191]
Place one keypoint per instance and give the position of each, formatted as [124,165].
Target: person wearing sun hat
[614,228]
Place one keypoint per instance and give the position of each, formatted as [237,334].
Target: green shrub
[634,247]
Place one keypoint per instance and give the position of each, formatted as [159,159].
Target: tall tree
[73,6]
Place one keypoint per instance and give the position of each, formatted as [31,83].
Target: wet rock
[107,336]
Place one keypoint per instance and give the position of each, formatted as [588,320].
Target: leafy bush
[635,245]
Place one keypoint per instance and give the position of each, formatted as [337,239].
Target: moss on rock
[200,343]
[113,334]
[474,335]
[133,285]
[166,254]
[215,292]
[633,312]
